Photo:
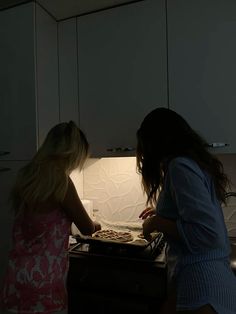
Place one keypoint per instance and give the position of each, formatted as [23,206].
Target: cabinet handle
[217,145]
[4,169]
[2,153]
[121,149]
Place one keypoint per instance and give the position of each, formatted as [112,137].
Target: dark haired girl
[185,186]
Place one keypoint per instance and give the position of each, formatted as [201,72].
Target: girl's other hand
[149,226]
[97,226]
[147,212]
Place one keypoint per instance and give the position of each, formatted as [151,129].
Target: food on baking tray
[140,242]
[152,235]
[140,235]
[110,234]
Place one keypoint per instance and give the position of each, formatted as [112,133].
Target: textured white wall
[115,188]
[78,179]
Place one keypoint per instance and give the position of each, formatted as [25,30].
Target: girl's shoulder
[182,164]
[182,160]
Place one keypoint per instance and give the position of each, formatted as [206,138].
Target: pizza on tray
[113,235]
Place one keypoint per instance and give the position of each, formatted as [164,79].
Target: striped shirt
[198,263]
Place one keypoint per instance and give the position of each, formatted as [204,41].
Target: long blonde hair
[46,175]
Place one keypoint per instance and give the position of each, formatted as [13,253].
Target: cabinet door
[68,70]
[8,171]
[17,83]
[122,73]
[47,94]
[202,49]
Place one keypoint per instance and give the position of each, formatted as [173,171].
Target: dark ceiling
[63,9]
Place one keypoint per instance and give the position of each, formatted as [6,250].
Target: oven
[112,277]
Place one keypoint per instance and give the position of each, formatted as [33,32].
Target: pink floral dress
[38,264]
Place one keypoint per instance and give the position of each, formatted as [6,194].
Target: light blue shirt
[188,197]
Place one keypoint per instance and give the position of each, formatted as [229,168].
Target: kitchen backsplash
[114,186]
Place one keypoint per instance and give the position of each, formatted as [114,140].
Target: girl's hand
[149,226]
[147,212]
[97,226]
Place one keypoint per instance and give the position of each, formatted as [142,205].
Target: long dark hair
[164,135]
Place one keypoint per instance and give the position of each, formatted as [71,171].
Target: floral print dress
[35,281]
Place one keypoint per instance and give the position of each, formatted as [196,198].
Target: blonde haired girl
[45,203]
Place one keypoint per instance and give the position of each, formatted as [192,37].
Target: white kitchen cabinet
[68,70]
[17,83]
[46,61]
[28,80]
[122,73]
[201,62]
[28,98]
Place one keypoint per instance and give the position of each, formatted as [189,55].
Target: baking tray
[136,244]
